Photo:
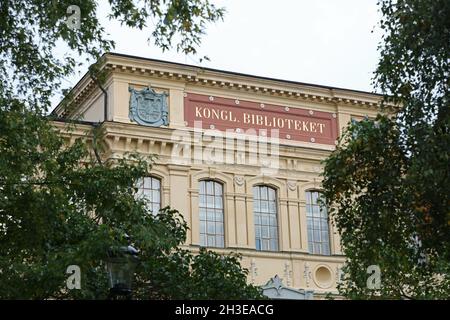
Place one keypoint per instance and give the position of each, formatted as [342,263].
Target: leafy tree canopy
[31,30]
[63,204]
[388,181]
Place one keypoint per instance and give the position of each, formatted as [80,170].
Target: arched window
[211,214]
[265,215]
[317,222]
[150,189]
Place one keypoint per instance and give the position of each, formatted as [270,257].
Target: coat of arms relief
[148,108]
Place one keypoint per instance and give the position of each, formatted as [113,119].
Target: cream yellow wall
[94,111]
[300,163]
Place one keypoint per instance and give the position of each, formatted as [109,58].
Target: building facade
[238,155]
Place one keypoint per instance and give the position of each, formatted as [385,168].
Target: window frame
[211,215]
[266,221]
[313,219]
[141,192]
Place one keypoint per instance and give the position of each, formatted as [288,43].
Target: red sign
[241,116]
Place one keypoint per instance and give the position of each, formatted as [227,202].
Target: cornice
[80,93]
[133,131]
[197,76]
[115,131]
[301,255]
[247,84]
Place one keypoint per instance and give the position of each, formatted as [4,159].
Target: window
[211,214]
[317,221]
[265,215]
[150,189]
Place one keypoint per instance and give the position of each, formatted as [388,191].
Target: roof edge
[199,69]
[241,74]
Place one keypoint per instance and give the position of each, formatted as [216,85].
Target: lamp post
[120,266]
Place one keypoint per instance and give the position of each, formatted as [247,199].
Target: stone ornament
[239,180]
[292,185]
[253,271]
[148,108]
[287,273]
[339,274]
[307,274]
[275,289]
[323,276]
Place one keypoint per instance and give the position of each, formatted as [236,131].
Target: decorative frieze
[339,273]
[253,271]
[287,273]
[307,274]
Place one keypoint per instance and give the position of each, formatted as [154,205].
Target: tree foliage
[60,207]
[64,203]
[388,181]
[32,30]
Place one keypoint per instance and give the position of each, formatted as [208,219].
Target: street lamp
[120,266]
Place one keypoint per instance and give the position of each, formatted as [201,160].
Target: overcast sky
[327,42]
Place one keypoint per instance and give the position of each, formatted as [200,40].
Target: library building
[240,156]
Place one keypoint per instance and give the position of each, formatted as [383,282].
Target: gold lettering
[259,120]
[246,118]
[305,126]
[289,121]
[223,115]
[282,123]
[215,114]
[267,123]
[321,126]
[273,122]
[197,112]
